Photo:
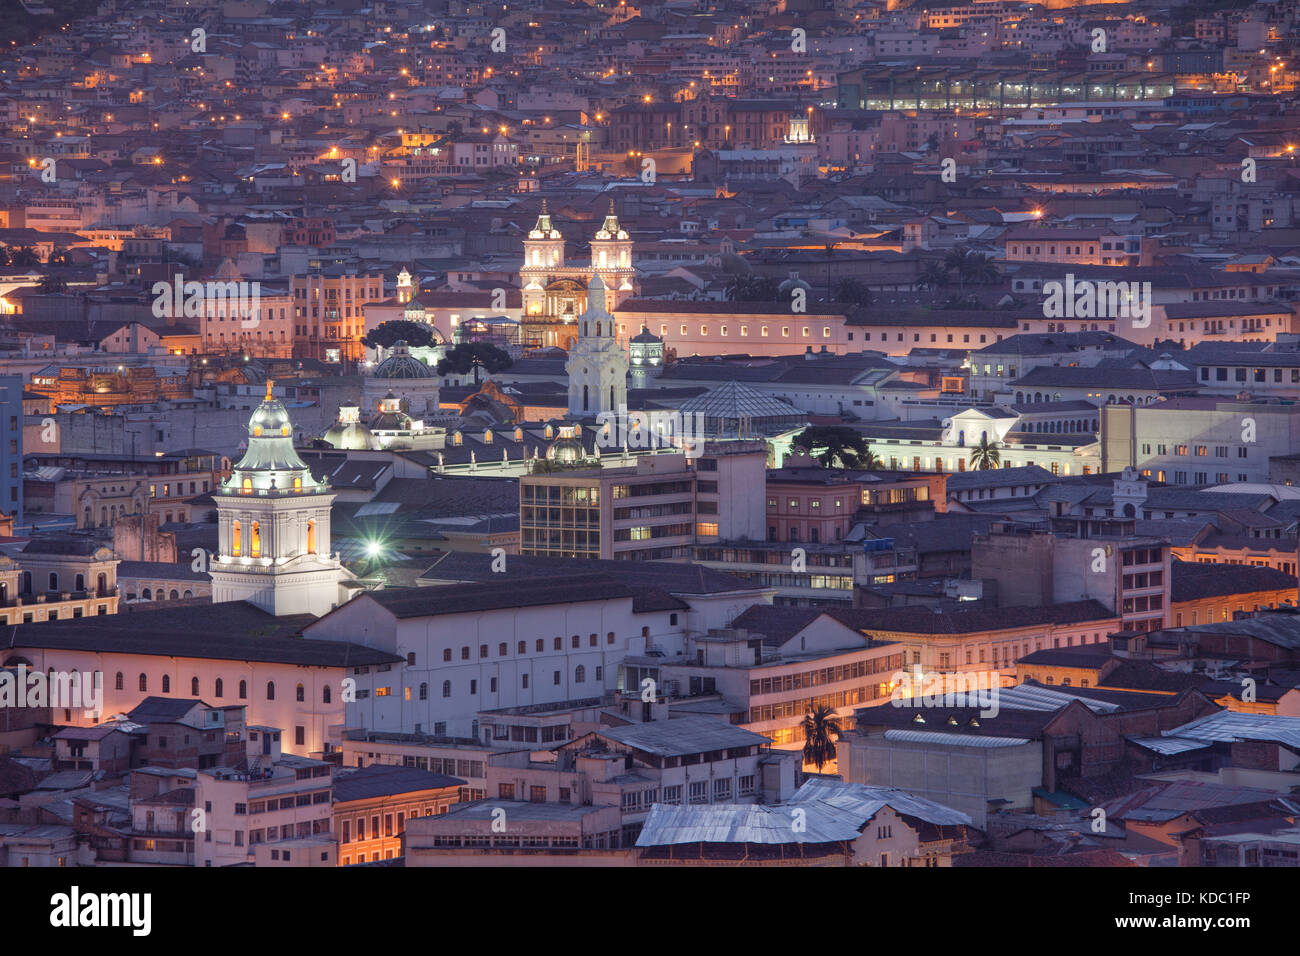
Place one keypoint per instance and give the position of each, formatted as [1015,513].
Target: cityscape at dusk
[614,433]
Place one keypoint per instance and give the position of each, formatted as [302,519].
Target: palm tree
[932,277]
[980,268]
[985,455]
[818,729]
[955,261]
[852,291]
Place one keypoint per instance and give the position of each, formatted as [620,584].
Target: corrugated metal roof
[683,735]
[1228,725]
[864,802]
[745,823]
[1032,697]
[1167,745]
[952,740]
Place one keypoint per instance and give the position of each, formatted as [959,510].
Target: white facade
[268,689]
[274,525]
[1198,441]
[597,365]
[273,800]
[486,658]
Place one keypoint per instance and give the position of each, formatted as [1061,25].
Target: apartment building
[373,804]
[271,798]
[162,816]
[692,759]
[536,834]
[776,677]
[1198,440]
[186,732]
[653,511]
[459,757]
[1069,560]
[329,313]
[263,327]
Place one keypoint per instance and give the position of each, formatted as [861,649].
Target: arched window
[80,583]
[501,649]
[236,539]
[270,690]
[101,585]
[311,537]
[194,687]
[248,486]
[219,689]
[523,647]
[144,683]
[424,692]
[255,539]
[446,688]
[54,581]
[300,694]
[175,594]
[147,594]
[167,684]
[579,674]
[243,690]
[586,401]
[326,696]
[118,682]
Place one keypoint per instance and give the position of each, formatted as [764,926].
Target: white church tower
[274,525]
[597,364]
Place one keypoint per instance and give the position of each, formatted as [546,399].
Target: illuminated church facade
[555,293]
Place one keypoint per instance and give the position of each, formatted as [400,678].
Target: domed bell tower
[597,364]
[274,525]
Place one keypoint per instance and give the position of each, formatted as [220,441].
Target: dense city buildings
[813,433]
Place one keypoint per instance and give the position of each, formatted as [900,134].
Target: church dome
[271,463]
[610,228]
[349,433]
[543,228]
[401,364]
[569,446]
[646,337]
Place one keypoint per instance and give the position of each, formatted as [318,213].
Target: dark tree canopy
[853,292]
[751,288]
[473,356]
[836,445]
[418,335]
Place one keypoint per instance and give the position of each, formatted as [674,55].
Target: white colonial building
[597,364]
[274,526]
[521,642]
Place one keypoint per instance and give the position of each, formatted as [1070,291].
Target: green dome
[271,464]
